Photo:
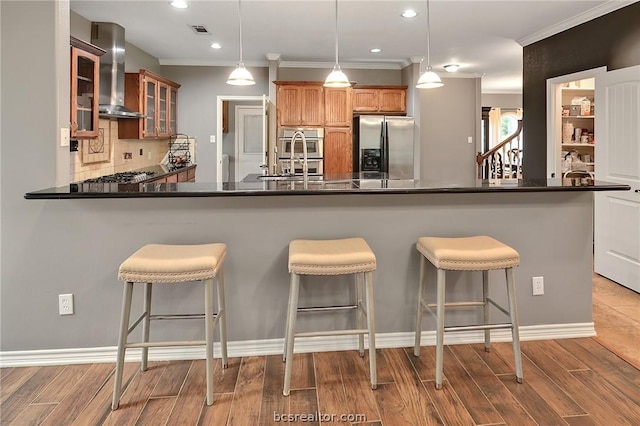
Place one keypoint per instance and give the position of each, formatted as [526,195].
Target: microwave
[315,166]
[313,136]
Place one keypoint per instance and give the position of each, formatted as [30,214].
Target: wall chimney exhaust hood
[110,37]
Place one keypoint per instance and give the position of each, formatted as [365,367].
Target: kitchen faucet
[304,161]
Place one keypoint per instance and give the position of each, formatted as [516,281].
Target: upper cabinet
[85,80]
[380,99]
[338,107]
[156,97]
[300,104]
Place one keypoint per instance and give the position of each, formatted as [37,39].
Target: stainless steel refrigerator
[383,144]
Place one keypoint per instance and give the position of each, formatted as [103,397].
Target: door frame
[554,121]
[218,140]
[237,135]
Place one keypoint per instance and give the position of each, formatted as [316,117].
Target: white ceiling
[484,37]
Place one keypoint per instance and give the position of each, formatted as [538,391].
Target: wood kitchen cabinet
[380,99]
[85,88]
[300,104]
[338,110]
[157,98]
[338,150]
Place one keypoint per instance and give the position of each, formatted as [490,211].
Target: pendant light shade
[240,76]
[429,79]
[337,78]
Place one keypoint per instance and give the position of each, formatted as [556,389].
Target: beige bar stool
[350,256]
[478,253]
[162,263]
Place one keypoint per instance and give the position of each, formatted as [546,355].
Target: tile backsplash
[108,154]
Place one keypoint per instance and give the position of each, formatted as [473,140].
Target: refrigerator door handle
[385,148]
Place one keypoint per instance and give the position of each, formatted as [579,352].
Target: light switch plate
[65,135]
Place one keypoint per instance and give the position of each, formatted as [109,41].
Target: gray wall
[502,100]
[448,116]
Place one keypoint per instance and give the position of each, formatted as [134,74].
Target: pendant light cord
[336,32]
[240,26]
[428,39]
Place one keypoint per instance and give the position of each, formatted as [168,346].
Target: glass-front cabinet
[156,97]
[85,80]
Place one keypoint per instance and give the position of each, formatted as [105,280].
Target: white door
[617,214]
[250,149]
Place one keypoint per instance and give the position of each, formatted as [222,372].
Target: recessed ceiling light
[216,46]
[375,50]
[409,13]
[451,67]
[179,4]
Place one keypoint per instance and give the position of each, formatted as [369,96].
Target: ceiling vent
[200,29]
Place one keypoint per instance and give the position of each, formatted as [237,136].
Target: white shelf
[578,116]
[578,144]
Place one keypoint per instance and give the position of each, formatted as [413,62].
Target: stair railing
[504,160]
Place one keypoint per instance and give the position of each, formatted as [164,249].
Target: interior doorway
[227,161]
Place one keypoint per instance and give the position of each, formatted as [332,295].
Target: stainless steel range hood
[110,37]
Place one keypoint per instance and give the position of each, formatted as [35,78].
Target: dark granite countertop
[255,185]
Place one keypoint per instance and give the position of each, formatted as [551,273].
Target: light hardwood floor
[572,381]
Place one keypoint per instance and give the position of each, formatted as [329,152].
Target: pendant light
[429,79]
[240,76]
[337,78]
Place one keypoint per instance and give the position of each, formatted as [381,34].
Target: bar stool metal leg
[222,315]
[419,310]
[122,342]
[208,331]
[485,296]
[291,327]
[287,325]
[360,311]
[440,326]
[146,322]
[515,332]
[368,278]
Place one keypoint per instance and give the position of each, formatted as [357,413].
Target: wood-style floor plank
[247,401]
[611,395]
[272,399]
[503,401]
[25,394]
[587,398]
[425,364]
[357,385]
[13,381]
[192,397]
[224,379]
[393,410]
[535,405]
[412,396]
[497,364]
[303,375]
[34,414]
[218,412]
[329,385]
[172,379]
[621,381]
[482,411]
[566,360]
[541,383]
[99,407]
[156,411]
[136,394]
[60,386]
[304,401]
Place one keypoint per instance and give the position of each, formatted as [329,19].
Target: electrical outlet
[64,136]
[65,304]
[537,284]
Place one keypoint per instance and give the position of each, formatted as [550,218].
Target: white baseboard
[274,346]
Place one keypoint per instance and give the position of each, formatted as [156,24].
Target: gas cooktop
[123,177]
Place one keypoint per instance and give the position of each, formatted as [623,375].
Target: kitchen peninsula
[550,223]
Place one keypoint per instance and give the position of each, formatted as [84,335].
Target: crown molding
[593,13]
[344,65]
[273,57]
[210,63]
